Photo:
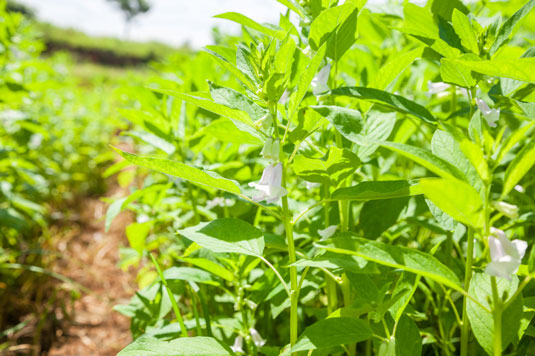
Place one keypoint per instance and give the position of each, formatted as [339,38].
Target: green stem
[171,296]
[288,227]
[497,316]
[465,326]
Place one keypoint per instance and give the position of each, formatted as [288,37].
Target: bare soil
[91,259]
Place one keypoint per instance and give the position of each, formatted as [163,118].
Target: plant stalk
[465,326]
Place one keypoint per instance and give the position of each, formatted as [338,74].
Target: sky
[170,21]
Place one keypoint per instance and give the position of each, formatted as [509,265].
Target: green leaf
[247,22]
[463,28]
[226,131]
[154,141]
[227,235]
[305,79]
[377,216]
[394,67]
[209,105]
[425,158]
[346,121]
[137,233]
[377,190]
[508,26]
[333,169]
[236,100]
[190,346]
[456,198]
[419,22]
[377,127]
[408,339]
[189,274]
[450,72]
[521,164]
[518,68]
[229,66]
[481,321]
[210,266]
[184,171]
[352,264]
[337,27]
[395,102]
[394,256]
[333,332]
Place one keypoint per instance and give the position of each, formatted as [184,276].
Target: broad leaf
[377,190]
[521,164]
[425,158]
[393,101]
[227,235]
[337,27]
[247,22]
[518,68]
[456,198]
[190,346]
[463,28]
[333,332]
[508,26]
[404,258]
[481,321]
[348,122]
[184,171]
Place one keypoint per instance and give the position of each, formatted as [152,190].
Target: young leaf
[348,122]
[184,171]
[463,28]
[521,164]
[377,216]
[392,101]
[508,26]
[404,258]
[227,235]
[337,27]
[425,158]
[519,68]
[245,21]
[189,346]
[305,79]
[456,198]
[377,190]
[332,170]
[333,332]
[481,321]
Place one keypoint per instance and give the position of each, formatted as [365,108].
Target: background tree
[131,9]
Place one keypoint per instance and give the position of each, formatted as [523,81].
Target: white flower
[327,232]
[520,188]
[257,339]
[491,115]
[285,96]
[509,210]
[319,83]
[436,88]
[269,186]
[238,345]
[506,256]
[271,149]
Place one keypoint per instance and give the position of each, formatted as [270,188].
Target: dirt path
[90,258]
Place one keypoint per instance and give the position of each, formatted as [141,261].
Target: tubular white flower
[506,256]
[319,83]
[436,88]
[238,345]
[520,188]
[491,115]
[271,149]
[509,210]
[327,232]
[257,339]
[269,187]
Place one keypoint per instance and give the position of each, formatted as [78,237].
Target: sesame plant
[356,180]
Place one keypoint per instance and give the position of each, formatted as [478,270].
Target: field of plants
[356,179]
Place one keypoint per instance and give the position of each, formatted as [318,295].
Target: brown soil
[90,258]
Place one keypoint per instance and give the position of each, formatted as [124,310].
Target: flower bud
[238,345]
[257,339]
[509,210]
[271,149]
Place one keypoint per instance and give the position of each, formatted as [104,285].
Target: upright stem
[497,316]
[465,326]
[288,227]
